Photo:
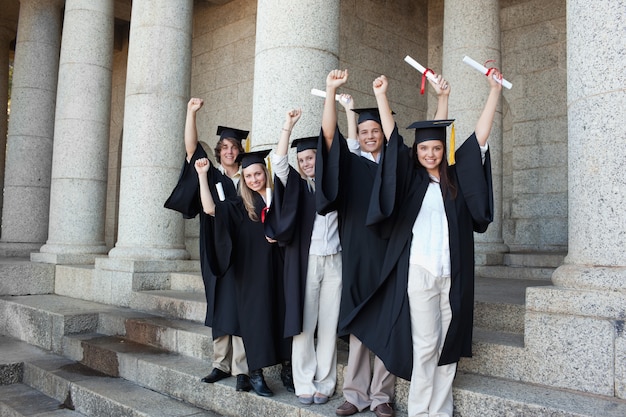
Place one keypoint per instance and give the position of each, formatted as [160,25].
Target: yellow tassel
[248,144]
[269,166]
[451,160]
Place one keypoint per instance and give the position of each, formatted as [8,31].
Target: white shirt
[235,178]
[430,246]
[355,148]
[325,235]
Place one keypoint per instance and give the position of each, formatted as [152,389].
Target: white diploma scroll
[220,191]
[481,68]
[268,196]
[420,68]
[322,94]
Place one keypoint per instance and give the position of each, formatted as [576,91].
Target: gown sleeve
[228,219]
[282,218]
[475,182]
[185,197]
[328,172]
[392,176]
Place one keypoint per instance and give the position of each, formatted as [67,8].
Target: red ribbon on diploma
[426,71]
[264,213]
[490,69]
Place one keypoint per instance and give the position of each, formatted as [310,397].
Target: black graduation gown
[256,265]
[221,313]
[399,192]
[290,222]
[344,183]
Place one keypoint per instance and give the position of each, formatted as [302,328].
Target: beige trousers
[430,392]
[360,386]
[229,355]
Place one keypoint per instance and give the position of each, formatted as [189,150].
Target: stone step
[94,394]
[479,396]
[19,276]
[514,272]
[534,259]
[500,303]
[185,305]
[187,281]
[20,400]
[496,354]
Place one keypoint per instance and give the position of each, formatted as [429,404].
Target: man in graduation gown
[221,313]
[344,183]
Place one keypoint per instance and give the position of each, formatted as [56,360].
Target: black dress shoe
[258,383]
[243,383]
[286,375]
[215,375]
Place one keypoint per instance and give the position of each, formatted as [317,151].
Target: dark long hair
[446,182]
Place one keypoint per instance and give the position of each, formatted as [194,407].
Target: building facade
[94,141]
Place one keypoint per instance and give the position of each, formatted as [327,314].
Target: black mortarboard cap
[370,113]
[230,132]
[430,130]
[249,158]
[302,144]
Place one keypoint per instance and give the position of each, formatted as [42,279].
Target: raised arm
[334,80]
[208,205]
[291,119]
[485,121]
[380,85]
[442,88]
[191,132]
[347,102]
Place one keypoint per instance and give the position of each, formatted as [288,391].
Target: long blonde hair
[247,195]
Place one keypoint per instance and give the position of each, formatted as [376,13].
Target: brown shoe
[384,410]
[346,409]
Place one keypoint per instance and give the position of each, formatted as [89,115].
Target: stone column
[81,135]
[157,90]
[6,35]
[31,127]
[579,323]
[479,40]
[297,44]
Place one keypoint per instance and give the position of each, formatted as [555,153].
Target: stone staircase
[62,355]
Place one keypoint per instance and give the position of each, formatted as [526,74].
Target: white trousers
[430,391]
[362,386]
[315,365]
[229,355]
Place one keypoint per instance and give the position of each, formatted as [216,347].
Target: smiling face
[306,162]
[370,136]
[229,150]
[430,154]
[254,176]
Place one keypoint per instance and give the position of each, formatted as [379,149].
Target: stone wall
[535,125]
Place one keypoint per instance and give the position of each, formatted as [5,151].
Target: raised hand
[336,78]
[202,166]
[195,104]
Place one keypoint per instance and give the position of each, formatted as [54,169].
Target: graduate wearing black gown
[221,312]
[240,244]
[344,183]
[465,193]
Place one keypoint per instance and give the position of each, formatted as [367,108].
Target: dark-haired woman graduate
[312,266]
[430,210]
[240,243]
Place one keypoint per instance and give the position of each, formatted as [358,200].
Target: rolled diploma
[220,191]
[268,196]
[322,94]
[469,61]
[420,68]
